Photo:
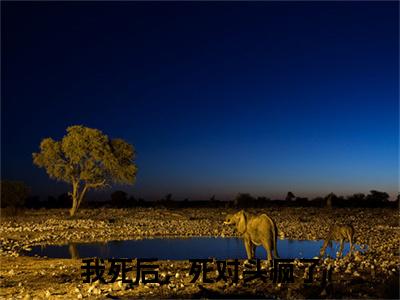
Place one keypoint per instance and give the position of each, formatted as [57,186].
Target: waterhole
[183,249]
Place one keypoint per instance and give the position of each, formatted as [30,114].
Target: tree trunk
[74,208]
[77,198]
[82,195]
[75,202]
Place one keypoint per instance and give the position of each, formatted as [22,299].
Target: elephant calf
[256,231]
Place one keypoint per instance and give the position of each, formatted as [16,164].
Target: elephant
[255,231]
[338,233]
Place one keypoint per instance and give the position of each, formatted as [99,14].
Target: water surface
[183,249]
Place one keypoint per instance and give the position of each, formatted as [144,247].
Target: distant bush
[244,200]
[376,198]
[290,196]
[33,202]
[13,194]
[119,199]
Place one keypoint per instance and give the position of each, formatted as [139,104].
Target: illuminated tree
[87,159]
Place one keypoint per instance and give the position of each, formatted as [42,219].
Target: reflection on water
[73,251]
[183,249]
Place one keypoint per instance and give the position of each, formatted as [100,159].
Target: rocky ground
[373,274]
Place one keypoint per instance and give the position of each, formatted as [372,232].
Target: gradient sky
[217,98]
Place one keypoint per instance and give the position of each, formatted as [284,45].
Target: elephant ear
[242,224]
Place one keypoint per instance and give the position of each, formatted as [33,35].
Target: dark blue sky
[217,98]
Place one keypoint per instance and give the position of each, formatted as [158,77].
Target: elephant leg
[341,248]
[247,244]
[268,248]
[272,254]
[253,251]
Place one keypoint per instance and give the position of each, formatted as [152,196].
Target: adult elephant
[255,231]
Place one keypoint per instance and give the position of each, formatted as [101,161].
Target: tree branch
[96,185]
[82,194]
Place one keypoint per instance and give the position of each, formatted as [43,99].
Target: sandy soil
[373,274]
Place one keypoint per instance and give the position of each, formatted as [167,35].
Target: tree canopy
[87,159]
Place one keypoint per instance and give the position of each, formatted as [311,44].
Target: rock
[115,286]
[356,274]
[90,289]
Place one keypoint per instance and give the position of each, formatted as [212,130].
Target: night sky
[217,98]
